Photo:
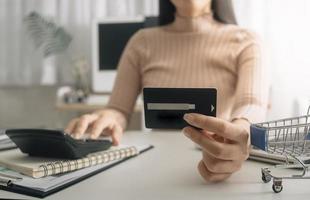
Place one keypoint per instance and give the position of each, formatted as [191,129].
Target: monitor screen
[113,38]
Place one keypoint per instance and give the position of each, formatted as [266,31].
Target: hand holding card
[225,145]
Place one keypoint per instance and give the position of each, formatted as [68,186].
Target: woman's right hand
[106,122]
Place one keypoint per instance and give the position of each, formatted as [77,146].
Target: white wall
[283,26]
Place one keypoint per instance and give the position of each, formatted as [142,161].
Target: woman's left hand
[225,145]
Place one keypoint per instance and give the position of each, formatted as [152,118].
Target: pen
[5,181]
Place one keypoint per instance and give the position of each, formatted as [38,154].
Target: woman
[192,48]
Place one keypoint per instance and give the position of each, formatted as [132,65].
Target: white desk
[169,171]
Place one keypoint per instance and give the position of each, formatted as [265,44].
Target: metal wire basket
[289,137]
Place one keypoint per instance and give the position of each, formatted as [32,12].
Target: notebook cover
[41,194]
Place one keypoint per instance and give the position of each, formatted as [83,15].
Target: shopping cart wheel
[277,185]
[277,189]
[266,178]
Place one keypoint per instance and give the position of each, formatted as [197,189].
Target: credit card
[164,108]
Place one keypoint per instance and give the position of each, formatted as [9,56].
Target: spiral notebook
[37,167]
[23,176]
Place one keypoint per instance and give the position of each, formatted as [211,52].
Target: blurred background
[32,77]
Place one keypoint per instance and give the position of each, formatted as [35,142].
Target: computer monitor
[109,39]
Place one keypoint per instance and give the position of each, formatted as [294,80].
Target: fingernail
[188,117]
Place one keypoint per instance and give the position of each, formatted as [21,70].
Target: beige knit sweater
[195,53]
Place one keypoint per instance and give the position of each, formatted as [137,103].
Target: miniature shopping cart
[288,137]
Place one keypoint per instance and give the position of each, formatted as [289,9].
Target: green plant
[52,39]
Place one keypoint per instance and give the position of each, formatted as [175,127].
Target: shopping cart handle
[258,137]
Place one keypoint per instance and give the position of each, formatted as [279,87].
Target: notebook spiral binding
[59,167]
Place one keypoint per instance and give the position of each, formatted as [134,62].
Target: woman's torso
[194,59]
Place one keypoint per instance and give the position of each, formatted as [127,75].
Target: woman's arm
[128,80]
[252,87]
[113,119]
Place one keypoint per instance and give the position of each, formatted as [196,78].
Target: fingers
[117,133]
[219,166]
[82,125]
[218,126]
[209,176]
[224,151]
[71,126]
[216,149]
[98,124]
[98,127]
[105,126]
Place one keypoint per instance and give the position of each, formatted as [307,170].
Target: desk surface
[169,171]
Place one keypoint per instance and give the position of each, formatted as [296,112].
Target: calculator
[54,143]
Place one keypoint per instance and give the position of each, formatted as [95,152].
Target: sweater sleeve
[128,79]
[253,83]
